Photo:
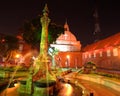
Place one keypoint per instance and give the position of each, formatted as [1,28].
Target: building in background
[104,53]
[67,41]
[69,48]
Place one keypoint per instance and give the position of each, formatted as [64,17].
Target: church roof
[113,40]
[67,37]
[67,41]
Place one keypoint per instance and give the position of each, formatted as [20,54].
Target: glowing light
[68,56]
[94,54]
[115,52]
[3,40]
[108,52]
[85,55]
[17,55]
[15,84]
[83,92]
[69,89]
[89,55]
[33,58]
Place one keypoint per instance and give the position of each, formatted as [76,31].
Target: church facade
[69,48]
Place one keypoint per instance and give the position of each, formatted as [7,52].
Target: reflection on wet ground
[69,90]
[61,89]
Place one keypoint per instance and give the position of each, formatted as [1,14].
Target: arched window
[115,52]
[21,47]
[85,55]
[89,55]
[100,53]
[94,54]
[108,52]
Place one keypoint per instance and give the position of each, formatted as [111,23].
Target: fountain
[41,79]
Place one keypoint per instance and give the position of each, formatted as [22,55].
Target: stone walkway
[99,90]
[96,89]
[92,87]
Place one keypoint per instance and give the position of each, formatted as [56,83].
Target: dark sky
[79,14]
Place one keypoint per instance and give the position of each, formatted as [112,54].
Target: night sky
[79,15]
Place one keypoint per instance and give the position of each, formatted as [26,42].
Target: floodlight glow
[68,56]
[17,55]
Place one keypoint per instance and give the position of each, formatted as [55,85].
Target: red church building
[69,50]
[104,53]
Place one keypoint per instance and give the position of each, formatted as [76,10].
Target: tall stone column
[44,35]
[42,62]
[40,74]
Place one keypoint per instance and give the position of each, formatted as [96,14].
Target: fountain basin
[44,83]
[23,82]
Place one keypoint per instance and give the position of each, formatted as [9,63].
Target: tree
[2,47]
[12,42]
[32,31]
[9,47]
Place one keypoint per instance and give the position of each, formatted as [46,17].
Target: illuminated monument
[41,63]
[40,78]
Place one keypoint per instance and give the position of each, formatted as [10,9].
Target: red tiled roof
[108,42]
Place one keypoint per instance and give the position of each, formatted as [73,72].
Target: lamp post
[17,57]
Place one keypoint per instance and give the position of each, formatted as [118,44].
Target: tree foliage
[32,31]
[12,42]
[8,47]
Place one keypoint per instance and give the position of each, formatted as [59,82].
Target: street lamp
[17,57]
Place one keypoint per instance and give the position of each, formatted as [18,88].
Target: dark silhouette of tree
[32,31]
[9,47]
[12,42]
